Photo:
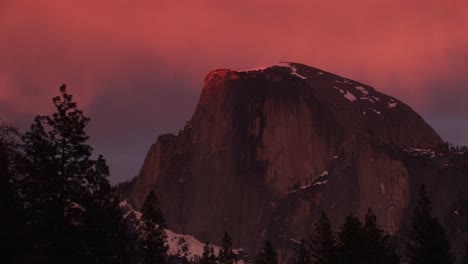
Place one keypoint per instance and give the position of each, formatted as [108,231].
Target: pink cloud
[414,50]
[372,41]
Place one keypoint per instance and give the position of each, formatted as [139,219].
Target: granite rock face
[268,149]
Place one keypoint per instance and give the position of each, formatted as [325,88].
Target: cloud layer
[137,67]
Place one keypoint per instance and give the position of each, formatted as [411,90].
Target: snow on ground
[186,245]
[182,245]
[190,247]
[129,211]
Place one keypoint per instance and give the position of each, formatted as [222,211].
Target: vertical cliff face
[268,149]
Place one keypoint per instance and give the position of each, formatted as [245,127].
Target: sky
[137,67]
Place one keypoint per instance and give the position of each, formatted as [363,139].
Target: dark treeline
[366,242]
[456,148]
[57,204]
[58,207]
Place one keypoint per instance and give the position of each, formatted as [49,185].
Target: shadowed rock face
[267,149]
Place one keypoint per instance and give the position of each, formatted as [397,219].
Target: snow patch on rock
[367,99]
[295,241]
[279,64]
[392,104]
[420,152]
[321,183]
[350,97]
[325,173]
[362,90]
[293,69]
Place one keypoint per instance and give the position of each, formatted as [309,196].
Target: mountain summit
[268,149]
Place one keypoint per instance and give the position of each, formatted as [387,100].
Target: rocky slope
[267,149]
[181,248]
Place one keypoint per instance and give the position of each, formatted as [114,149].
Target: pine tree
[12,220]
[464,259]
[226,255]
[351,248]
[104,230]
[302,253]
[366,243]
[153,236]
[427,239]
[208,256]
[323,242]
[379,245]
[64,189]
[267,255]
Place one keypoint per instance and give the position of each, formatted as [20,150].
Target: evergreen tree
[464,259]
[379,245]
[267,255]
[64,189]
[226,255]
[208,256]
[153,236]
[351,248]
[104,230]
[12,220]
[323,242]
[302,253]
[427,240]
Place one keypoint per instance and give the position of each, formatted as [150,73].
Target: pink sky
[144,61]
